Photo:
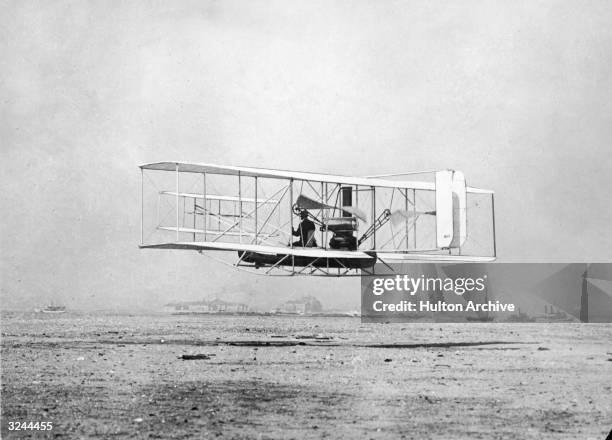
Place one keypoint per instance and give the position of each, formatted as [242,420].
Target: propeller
[304,202]
[400,215]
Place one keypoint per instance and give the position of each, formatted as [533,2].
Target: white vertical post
[291,211]
[291,215]
[357,207]
[240,205]
[414,221]
[326,234]
[323,201]
[194,217]
[205,210]
[407,219]
[326,240]
[374,217]
[256,209]
[177,202]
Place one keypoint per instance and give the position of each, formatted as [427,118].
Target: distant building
[204,306]
[200,307]
[305,305]
[176,307]
[220,306]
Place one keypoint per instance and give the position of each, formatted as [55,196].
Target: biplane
[255,214]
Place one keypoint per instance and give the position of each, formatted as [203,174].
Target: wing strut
[378,223]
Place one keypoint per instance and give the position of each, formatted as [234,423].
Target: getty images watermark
[407,285]
[487,293]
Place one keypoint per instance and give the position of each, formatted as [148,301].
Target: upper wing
[220,197]
[184,167]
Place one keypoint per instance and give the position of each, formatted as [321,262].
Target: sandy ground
[283,377]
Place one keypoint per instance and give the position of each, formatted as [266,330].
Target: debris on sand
[388,360]
[316,337]
[427,398]
[543,349]
[193,357]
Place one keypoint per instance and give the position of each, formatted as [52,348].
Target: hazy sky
[518,95]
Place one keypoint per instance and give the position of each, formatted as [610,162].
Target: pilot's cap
[303,214]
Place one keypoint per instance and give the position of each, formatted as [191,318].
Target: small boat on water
[51,308]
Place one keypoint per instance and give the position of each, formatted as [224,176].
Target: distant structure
[204,306]
[584,297]
[305,305]
[520,317]
[580,291]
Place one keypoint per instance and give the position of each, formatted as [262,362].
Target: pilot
[306,231]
